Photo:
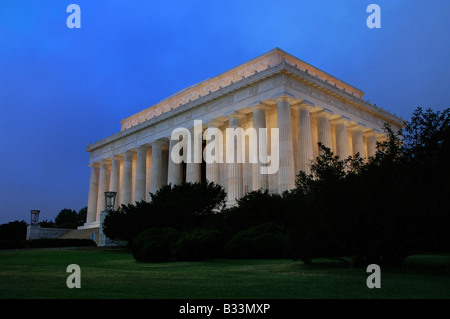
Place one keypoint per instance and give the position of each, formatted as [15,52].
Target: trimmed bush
[199,244]
[46,243]
[262,241]
[16,230]
[155,244]
[12,244]
[63,242]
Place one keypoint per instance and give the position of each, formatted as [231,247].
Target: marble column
[93,193]
[115,177]
[371,141]
[193,165]
[213,169]
[323,129]
[305,143]
[103,186]
[358,141]
[174,173]
[127,174]
[342,149]
[286,171]
[141,173]
[156,168]
[260,181]
[235,181]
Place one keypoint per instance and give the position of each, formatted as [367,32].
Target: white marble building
[274,90]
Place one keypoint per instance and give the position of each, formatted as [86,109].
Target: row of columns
[106,175]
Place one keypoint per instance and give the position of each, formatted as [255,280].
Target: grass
[112,273]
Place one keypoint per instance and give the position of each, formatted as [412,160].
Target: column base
[231,203]
[89,225]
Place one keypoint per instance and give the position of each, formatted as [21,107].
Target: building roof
[258,64]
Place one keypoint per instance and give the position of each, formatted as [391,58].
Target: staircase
[89,233]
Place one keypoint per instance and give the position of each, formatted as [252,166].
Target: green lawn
[107,273]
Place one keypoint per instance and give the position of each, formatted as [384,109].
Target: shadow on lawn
[435,265]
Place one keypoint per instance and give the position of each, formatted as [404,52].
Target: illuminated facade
[274,90]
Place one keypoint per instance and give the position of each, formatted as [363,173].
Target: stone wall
[37,232]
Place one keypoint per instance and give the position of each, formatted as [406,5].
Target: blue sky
[62,89]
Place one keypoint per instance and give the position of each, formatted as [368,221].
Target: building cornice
[281,68]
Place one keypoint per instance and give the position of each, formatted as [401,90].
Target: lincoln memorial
[272,91]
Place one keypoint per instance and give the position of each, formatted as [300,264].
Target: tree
[47,224]
[187,205]
[183,206]
[81,216]
[427,153]
[16,230]
[67,218]
[383,210]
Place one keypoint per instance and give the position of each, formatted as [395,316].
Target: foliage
[184,207]
[16,230]
[198,244]
[129,221]
[45,243]
[267,240]
[155,244]
[13,243]
[67,218]
[47,224]
[383,210]
[379,210]
[57,242]
[256,207]
[82,215]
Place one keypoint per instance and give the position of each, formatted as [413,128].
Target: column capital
[143,147]
[283,96]
[324,113]
[105,161]
[303,105]
[235,115]
[95,164]
[128,154]
[158,143]
[117,157]
[258,105]
[214,123]
[355,127]
[194,127]
[339,120]
[369,133]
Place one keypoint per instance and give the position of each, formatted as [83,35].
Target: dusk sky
[62,89]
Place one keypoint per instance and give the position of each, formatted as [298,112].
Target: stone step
[82,234]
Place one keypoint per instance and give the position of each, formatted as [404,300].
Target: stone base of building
[89,225]
[37,232]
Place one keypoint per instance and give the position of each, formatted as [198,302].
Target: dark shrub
[155,244]
[55,242]
[255,208]
[198,244]
[262,241]
[12,244]
[183,206]
[67,218]
[16,230]
[186,206]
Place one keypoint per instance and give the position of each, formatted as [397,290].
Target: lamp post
[110,200]
[35,217]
